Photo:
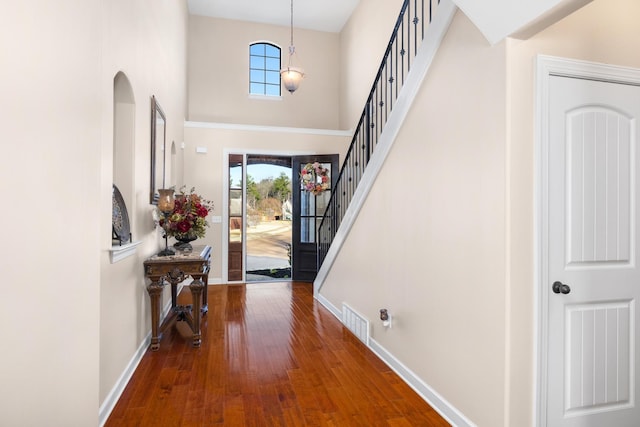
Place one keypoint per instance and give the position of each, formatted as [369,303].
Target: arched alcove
[123,138]
[124,116]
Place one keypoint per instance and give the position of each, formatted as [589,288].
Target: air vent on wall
[355,323]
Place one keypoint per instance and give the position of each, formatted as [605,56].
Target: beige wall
[148,44]
[205,170]
[459,276]
[433,225]
[50,166]
[603,31]
[363,41]
[218,93]
[73,320]
[219,76]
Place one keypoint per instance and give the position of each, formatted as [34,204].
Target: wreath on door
[314,178]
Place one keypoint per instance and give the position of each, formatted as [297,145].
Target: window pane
[235,202]
[322,200]
[327,166]
[273,64]
[308,230]
[257,76]
[273,77]
[257,62]
[257,89]
[235,175]
[273,90]
[272,51]
[307,203]
[257,49]
[235,229]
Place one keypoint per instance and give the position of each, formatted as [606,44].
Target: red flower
[202,211]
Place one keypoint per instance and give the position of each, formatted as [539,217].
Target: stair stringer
[422,62]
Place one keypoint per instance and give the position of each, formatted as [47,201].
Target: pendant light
[291,75]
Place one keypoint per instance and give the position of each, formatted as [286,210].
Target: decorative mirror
[158,135]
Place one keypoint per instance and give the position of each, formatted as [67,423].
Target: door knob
[560,288]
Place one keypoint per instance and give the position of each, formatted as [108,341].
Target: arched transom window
[264,69]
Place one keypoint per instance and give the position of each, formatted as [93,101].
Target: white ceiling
[320,15]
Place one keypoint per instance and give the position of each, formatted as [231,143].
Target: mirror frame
[158,139]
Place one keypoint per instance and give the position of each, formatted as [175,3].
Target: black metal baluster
[384,92]
[390,80]
[416,20]
[422,12]
[397,60]
[408,36]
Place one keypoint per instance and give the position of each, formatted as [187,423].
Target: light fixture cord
[291,22]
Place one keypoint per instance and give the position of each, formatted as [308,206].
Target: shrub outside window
[264,69]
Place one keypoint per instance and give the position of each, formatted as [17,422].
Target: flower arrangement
[315,178]
[188,219]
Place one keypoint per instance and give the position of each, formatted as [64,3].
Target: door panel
[593,186]
[308,210]
[598,357]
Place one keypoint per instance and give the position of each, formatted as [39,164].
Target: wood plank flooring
[270,356]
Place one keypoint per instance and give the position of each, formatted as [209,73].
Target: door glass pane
[317,224]
[235,175]
[307,203]
[322,200]
[235,198]
[308,230]
[235,230]
[327,166]
[235,203]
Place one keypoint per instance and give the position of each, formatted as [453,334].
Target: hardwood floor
[270,356]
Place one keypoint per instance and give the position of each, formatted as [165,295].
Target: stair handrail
[374,115]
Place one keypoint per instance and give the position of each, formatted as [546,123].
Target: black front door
[308,209]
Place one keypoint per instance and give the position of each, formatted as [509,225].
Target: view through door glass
[269,218]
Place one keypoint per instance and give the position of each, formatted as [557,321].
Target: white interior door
[593,329]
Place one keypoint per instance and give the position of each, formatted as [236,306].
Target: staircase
[414,41]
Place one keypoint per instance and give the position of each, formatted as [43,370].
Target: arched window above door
[264,69]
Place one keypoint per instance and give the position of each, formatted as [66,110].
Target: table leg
[174,294]
[155,292]
[205,281]
[196,288]
[205,304]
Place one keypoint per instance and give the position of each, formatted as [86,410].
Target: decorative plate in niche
[120,219]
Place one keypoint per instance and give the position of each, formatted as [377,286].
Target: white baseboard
[437,402]
[114,395]
[329,306]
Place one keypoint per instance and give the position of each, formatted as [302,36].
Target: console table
[174,269]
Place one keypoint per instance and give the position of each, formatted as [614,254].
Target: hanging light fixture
[291,76]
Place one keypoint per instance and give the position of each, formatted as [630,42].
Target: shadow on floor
[269,274]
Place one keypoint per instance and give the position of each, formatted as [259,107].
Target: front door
[592,248]
[308,209]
